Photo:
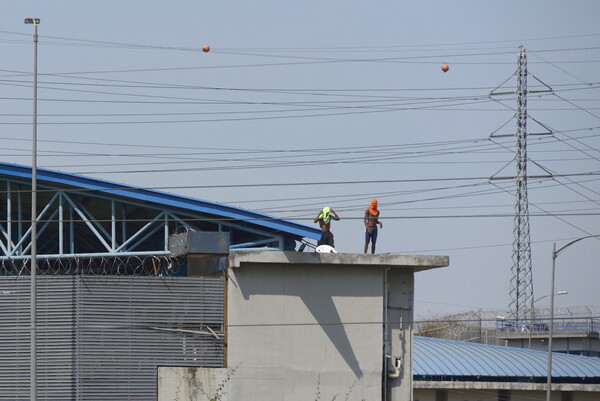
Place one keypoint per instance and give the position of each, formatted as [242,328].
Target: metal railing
[561,325]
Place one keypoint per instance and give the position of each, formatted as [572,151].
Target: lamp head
[34,21]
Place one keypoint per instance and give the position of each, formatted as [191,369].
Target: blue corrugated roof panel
[163,198]
[436,357]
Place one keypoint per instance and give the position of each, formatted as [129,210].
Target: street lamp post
[532,326]
[555,253]
[33,277]
[560,292]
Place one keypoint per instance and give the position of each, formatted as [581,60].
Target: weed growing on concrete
[221,390]
[347,394]
[318,392]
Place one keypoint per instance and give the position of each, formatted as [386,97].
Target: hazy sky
[345,97]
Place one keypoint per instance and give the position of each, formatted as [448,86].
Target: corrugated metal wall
[103,337]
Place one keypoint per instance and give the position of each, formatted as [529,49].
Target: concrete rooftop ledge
[413,262]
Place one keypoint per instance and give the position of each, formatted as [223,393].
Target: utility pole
[555,253]
[33,276]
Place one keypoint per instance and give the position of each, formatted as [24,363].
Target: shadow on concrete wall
[317,289]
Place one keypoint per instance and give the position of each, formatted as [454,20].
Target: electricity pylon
[521,282]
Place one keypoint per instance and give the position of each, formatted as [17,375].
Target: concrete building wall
[399,323]
[310,326]
[575,344]
[302,332]
[573,335]
[192,384]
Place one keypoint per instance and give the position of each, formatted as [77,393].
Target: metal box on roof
[199,242]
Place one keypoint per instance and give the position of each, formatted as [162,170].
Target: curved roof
[436,357]
[162,198]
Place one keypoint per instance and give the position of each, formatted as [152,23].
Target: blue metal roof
[435,357]
[163,198]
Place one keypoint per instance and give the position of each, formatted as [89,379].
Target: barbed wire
[151,265]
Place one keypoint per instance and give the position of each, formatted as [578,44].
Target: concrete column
[400,332]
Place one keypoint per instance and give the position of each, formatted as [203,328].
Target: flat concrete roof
[413,262]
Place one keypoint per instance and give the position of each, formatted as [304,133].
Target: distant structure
[456,370]
[521,284]
[576,331]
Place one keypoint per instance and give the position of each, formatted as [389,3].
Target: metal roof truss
[76,223]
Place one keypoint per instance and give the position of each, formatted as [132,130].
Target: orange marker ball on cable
[445,67]
[206,48]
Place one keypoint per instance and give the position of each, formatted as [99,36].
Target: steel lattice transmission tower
[521,283]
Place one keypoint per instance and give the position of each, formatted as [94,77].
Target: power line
[352,48]
[119,187]
[468,194]
[215,150]
[262,219]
